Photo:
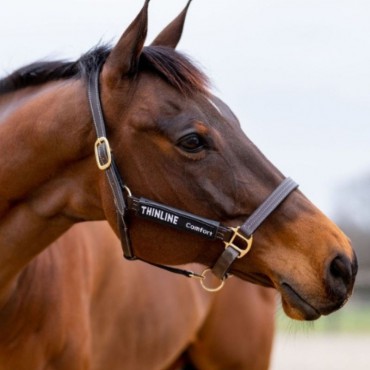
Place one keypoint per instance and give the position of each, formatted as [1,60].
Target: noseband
[238,240]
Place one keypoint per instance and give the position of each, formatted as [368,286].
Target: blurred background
[297,74]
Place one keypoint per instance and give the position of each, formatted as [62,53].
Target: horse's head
[178,144]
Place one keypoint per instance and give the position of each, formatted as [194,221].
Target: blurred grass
[352,318]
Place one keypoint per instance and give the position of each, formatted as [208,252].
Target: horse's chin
[295,306]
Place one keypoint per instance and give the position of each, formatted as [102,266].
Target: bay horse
[133,315]
[185,163]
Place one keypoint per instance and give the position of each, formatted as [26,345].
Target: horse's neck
[40,133]
[45,171]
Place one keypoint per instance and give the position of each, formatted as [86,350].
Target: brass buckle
[236,234]
[103,141]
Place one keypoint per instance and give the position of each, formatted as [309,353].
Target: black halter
[126,203]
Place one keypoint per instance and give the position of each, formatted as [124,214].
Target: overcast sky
[296,72]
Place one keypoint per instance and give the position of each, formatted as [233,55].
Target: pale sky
[295,72]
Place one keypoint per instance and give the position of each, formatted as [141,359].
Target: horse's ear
[124,57]
[171,35]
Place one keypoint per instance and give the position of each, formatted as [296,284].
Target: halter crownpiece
[237,240]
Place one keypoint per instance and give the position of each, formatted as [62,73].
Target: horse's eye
[192,143]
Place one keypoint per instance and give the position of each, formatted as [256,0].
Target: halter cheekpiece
[126,202]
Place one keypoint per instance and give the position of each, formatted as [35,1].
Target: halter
[126,203]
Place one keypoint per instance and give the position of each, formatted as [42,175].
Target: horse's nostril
[340,275]
[340,268]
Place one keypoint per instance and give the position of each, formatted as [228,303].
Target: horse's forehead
[156,97]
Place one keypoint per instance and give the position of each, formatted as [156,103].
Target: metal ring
[208,289]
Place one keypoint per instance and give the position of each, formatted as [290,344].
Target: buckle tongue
[244,239]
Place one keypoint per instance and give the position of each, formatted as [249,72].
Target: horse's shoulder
[48,304]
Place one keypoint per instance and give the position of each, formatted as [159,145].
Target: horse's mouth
[295,306]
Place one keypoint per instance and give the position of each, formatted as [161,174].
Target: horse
[166,324]
[133,135]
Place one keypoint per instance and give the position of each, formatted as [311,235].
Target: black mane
[172,66]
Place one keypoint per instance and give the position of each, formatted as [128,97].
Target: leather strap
[177,218]
[229,255]
[268,206]
[102,146]
[105,161]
